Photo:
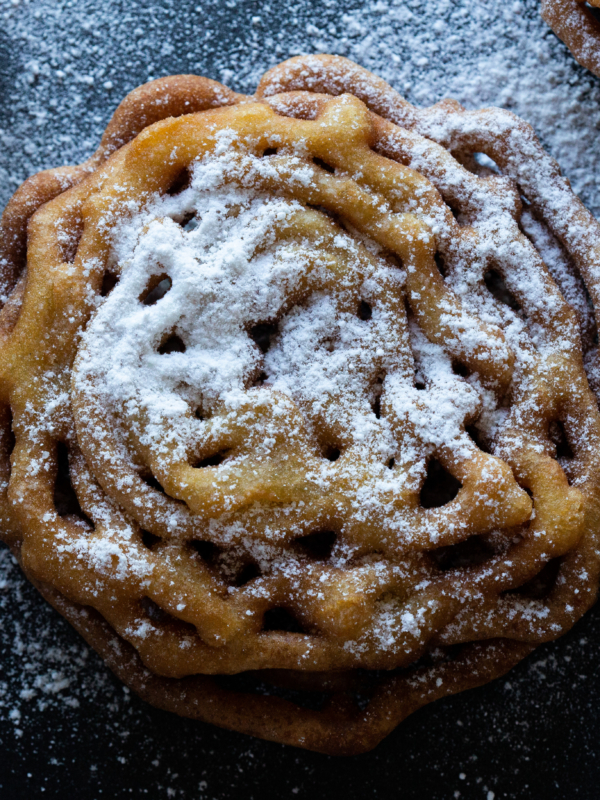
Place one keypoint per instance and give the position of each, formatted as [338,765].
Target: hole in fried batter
[172,344]
[248,573]
[208,551]
[469,553]
[163,618]
[154,611]
[458,215]
[268,683]
[558,436]
[180,182]
[475,434]
[390,463]
[317,545]
[149,539]
[376,406]
[262,334]
[189,222]
[328,213]
[595,11]
[460,369]
[260,379]
[157,289]
[487,163]
[66,501]
[376,396]
[211,461]
[151,481]
[280,619]
[323,164]
[441,264]
[479,164]
[440,487]
[270,151]
[365,312]
[109,281]
[497,286]
[331,453]
[541,584]
[7,444]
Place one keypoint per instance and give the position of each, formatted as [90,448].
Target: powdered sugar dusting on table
[76,61]
[478,52]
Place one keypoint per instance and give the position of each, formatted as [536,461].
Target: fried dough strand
[576,24]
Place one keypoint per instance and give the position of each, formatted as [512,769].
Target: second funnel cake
[301,433]
[577,23]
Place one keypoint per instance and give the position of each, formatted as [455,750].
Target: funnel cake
[296,426]
[576,23]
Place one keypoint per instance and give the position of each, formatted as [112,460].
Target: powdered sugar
[408,26]
[234,258]
[480,53]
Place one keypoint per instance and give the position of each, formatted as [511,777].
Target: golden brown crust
[509,141]
[145,105]
[339,729]
[392,174]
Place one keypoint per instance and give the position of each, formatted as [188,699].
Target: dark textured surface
[530,735]
[67,727]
